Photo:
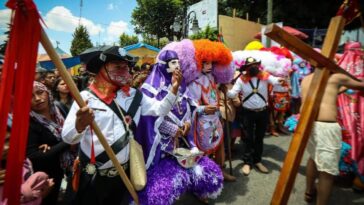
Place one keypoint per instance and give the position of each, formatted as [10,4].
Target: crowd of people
[195,97]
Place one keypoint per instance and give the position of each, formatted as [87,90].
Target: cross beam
[325,65]
[300,48]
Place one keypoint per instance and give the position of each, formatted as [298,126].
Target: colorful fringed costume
[167,180]
[203,90]
[351,108]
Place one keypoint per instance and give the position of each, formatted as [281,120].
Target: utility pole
[79,20]
[269,17]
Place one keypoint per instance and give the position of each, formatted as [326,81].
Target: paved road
[257,188]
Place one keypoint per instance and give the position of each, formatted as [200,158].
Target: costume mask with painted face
[207,67]
[118,72]
[173,65]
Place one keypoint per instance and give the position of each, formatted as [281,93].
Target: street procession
[183,102]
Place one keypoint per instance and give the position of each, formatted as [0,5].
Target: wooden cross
[325,65]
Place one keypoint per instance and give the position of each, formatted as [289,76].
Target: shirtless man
[325,141]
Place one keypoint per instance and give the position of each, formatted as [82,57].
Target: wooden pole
[269,19]
[76,94]
[228,132]
[234,13]
[309,114]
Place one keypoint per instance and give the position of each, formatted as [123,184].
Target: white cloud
[61,19]
[111,6]
[4,18]
[114,30]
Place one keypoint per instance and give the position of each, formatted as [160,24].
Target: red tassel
[20,59]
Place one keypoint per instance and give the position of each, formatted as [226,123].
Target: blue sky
[105,20]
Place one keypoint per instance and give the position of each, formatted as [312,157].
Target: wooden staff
[228,132]
[76,95]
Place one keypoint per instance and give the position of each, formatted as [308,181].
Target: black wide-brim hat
[95,57]
[250,61]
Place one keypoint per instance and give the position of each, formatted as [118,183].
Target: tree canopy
[207,33]
[151,40]
[81,41]
[125,40]
[155,17]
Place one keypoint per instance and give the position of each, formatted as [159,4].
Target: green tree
[126,40]
[153,41]
[81,41]
[155,17]
[5,43]
[207,33]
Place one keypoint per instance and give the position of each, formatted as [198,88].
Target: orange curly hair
[210,51]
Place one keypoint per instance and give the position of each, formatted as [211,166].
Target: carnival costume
[351,109]
[168,175]
[300,69]
[203,89]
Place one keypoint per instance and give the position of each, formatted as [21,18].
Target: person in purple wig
[167,179]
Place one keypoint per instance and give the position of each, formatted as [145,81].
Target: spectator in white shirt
[253,85]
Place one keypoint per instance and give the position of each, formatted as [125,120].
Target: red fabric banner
[19,70]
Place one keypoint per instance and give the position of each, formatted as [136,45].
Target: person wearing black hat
[99,180]
[253,84]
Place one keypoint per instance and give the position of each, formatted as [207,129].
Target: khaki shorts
[324,146]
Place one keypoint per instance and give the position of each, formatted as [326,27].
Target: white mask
[173,65]
[207,67]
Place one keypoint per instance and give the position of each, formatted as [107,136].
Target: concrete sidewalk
[258,188]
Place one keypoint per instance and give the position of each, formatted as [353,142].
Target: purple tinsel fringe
[206,179]
[168,181]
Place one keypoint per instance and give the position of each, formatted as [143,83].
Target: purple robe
[157,86]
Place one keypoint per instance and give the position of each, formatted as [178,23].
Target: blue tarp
[139,45]
[68,62]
